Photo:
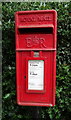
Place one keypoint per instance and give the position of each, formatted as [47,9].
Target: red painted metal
[36,31]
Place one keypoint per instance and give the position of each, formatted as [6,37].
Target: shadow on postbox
[36,57]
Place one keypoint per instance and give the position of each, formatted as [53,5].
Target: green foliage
[62,109]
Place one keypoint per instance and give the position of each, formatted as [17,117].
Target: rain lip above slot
[37,26]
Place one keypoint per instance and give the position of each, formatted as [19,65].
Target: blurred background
[62,109]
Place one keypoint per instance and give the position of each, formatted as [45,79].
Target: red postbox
[36,57]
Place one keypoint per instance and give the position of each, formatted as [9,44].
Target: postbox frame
[19,50]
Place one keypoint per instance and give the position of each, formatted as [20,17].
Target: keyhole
[24,77]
